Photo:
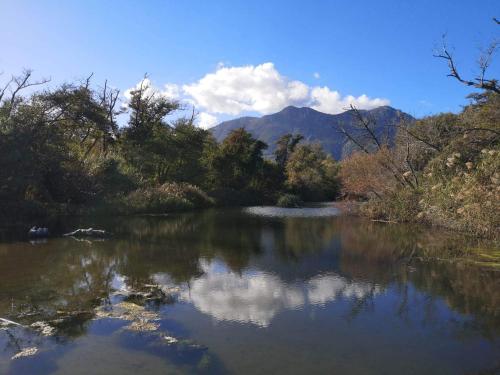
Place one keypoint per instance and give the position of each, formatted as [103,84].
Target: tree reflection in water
[248,269]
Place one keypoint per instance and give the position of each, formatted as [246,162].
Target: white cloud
[262,89]
[256,88]
[169,91]
[316,75]
[206,120]
[233,90]
[328,101]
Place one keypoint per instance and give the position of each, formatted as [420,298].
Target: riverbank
[55,220]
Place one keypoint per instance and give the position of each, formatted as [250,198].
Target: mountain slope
[313,125]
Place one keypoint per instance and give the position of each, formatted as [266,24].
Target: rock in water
[38,232]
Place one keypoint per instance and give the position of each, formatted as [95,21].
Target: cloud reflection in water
[256,297]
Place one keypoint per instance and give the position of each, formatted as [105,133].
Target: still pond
[259,290]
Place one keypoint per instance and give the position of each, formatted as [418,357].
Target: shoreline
[346,208]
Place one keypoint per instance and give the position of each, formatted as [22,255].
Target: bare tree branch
[353,140]
[21,82]
[480,81]
[366,123]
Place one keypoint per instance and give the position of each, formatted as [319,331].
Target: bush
[401,206]
[364,175]
[463,193]
[169,197]
[289,200]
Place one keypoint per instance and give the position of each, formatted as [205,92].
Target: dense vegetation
[74,149]
[443,170]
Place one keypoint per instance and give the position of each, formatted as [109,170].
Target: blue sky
[258,55]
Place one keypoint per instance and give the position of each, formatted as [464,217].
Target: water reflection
[252,270]
[256,297]
[320,210]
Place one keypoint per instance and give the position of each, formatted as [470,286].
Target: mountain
[315,126]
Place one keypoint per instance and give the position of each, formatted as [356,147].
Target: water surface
[253,291]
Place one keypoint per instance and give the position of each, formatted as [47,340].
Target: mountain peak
[315,126]
[292,108]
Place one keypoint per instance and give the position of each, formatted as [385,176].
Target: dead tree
[480,81]
[365,135]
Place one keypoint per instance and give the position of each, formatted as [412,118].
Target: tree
[484,62]
[362,175]
[365,137]
[146,143]
[238,162]
[87,117]
[285,146]
[311,173]
[188,143]
[37,161]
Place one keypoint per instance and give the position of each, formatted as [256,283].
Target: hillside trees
[238,160]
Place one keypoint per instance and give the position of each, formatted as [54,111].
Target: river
[260,290]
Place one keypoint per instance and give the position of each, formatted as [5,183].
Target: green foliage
[238,162]
[312,174]
[62,151]
[162,199]
[227,197]
[285,146]
[109,178]
[146,141]
[289,201]
[38,162]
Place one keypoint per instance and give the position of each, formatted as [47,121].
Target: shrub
[168,197]
[289,200]
[463,194]
[400,205]
[109,178]
[364,175]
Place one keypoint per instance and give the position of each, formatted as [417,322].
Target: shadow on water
[250,272]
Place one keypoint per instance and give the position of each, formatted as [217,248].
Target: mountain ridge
[314,125]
